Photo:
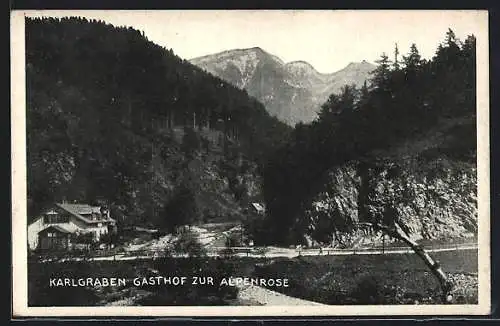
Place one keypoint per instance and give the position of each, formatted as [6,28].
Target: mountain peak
[291,91]
[358,65]
[362,62]
[253,52]
[261,52]
[301,69]
[256,48]
[300,64]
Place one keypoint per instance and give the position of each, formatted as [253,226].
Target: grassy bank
[354,279]
[375,279]
[40,293]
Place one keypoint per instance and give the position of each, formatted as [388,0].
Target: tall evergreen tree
[382,74]
[448,52]
[413,60]
[451,38]
[330,107]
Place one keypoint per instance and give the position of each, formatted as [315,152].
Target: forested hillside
[400,150]
[113,118]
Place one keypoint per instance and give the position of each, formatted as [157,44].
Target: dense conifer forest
[106,108]
[406,98]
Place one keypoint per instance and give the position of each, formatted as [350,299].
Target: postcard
[250,163]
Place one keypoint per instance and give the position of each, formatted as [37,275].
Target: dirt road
[270,252]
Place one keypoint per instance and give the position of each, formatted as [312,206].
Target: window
[55,218]
[87,215]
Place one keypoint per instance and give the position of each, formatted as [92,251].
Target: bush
[182,209]
[233,240]
[188,243]
[191,141]
[226,253]
[41,295]
[368,290]
[260,251]
[189,294]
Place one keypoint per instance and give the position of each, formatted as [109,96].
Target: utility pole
[241,233]
[383,243]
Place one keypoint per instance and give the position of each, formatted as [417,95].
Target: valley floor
[333,280]
[212,237]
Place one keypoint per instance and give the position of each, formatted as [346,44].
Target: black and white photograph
[250,162]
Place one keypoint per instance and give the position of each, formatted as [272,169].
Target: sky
[328,40]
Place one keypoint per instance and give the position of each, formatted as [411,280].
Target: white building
[66,220]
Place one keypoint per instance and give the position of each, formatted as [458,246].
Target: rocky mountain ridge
[293,91]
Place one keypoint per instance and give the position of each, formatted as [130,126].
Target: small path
[276,253]
[267,297]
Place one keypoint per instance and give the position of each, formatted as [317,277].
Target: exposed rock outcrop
[433,199]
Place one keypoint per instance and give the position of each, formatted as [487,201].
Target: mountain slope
[354,73]
[293,92]
[115,118]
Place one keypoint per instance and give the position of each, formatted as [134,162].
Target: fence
[255,252]
[140,254]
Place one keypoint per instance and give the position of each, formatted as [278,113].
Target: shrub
[233,240]
[368,290]
[188,243]
[189,294]
[260,251]
[226,253]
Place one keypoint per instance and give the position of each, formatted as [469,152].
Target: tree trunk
[435,268]
[446,284]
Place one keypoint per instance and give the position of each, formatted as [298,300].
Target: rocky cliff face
[431,193]
[430,200]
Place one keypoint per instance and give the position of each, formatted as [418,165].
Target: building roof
[78,209]
[58,228]
[82,208]
[259,207]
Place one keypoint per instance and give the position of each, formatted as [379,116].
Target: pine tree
[336,104]
[469,46]
[413,60]
[382,74]
[364,95]
[450,37]
[348,96]
[329,108]
[448,52]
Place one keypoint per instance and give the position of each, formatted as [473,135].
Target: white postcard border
[19,215]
